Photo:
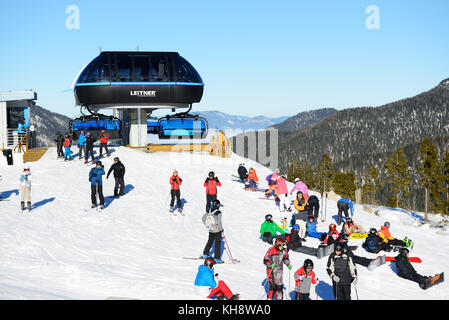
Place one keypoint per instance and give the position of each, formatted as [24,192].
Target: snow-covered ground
[134,248]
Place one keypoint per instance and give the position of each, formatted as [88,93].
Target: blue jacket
[311,230]
[95,176]
[351,205]
[82,140]
[205,277]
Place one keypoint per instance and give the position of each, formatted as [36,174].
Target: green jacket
[270,227]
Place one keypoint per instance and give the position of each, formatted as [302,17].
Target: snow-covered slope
[134,248]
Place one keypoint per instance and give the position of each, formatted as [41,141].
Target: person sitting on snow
[301,215]
[252,179]
[268,229]
[293,239]
[332,236]
[384,233]
[206,283]
[374,244]
[311,228]
[350,227]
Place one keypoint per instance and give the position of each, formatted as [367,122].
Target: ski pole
[227,245]
[289,272]
[316,287]
[356,293]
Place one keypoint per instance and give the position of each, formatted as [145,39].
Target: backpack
[371,244]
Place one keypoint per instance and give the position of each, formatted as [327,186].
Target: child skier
[96,184]
[311,228]
[271,179]
[207,286]
[25,188]
[175,183]
[332,236]
[304,278]
[213,223]
[293,239]
[67,145]
[268,229]
[274,259]
[211,185]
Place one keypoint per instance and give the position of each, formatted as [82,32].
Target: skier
[81,144]
[274,259]
[304,278]
[252,179]
[67,145]
[59,145]
[207,286]
[272,183]
[243,173]
[342,271]
[314,205]
[281,186]
[89,148]
[384,233]
[175,181]
[343,205]
[301,215]
[25,188]
[300,186]
[104,142]
[119,174]
[211,184]
[406,270]
[350,227]
[268,229]
[332,236]
[213,223]
[96,184]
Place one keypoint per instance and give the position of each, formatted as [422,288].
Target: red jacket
[66,142]
[175,183]
[334,234]
[301,272]
[211,186]
[104,138]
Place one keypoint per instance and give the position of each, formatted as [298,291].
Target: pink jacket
[281,185]
[301,186]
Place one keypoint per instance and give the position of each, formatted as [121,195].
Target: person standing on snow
[60,145]
[104,142]
[341,269]
[119,175]
[281,185]
[175,183]
[344,205]
[25,188]
[211,185]
[274,259]
[81,144]
[96,184]
[300,186]
[304,278]
[271,179]
[206,283]
[67,145]
[89,148]
[314,206]
[213,223]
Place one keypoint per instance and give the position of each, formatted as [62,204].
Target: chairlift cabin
[95,123]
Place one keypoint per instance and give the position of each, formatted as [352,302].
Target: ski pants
[270,190]
[412,277]
[341,291]
[91,151]
[81,148]
[252,183]
[105,146]
[284,202]
[342,207]
[25,194]
[275,284]
[68,153]
[119,188]
[209,199]
[221,289]
[93,195]
[302,296]
[214,237]
[175,194]
[267,237]
[60,150]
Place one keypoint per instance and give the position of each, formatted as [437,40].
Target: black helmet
[216,204]
[373,231]
[338,247]
[211,174]
[387,224]
[116,159]
[209,262]
[268,217]
[98,163]
[308,264]
[345,237]
[348,220]
[403,251]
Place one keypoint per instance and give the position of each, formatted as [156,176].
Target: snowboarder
[304,278]
[81,144]
[406,270]
[243,173]
[274,259]
[213,223]
[350,227]
[342,271]
[67,145]
[271,179]
[175,181]
[300,186]
[104,142]
[314,205]
[119,175]
[211,185]
[268,229]
[343,205]
[293,239]
[252,179]
[89,148]
[206,283]
[60,145]
[384,233]
[332,235]
[25,188]
[374,244]
[311,228]
[96,184]
[281,186]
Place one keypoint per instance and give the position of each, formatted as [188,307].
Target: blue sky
[272,58]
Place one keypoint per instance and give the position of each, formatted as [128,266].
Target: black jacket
[60,140]
[404,267]
[90,142]
[118,168]
[243,173]
[294,241]
[342,266]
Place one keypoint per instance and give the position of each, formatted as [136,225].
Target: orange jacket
[175,182]
[253,176]
[384,233]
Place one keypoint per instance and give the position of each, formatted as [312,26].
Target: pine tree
[371,184]
[398,178]
[344,184]
[324,173]
[445,182]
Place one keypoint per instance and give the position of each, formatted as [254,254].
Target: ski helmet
[211,174]
[296,180]
[116,159]
[268,217]
[403,251]
[349,221]
[98,163]
[308,264]
[332,227]
[279,242]
[209,262]
[345,237]
[387,224]
[338,247]
[373,231]
[216,203]
[311,217]
[295,227]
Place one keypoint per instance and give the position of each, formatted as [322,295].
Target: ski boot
[29,206]
[22,206]
[221,297]
[179,210]
[93,205]
[235,297]
[171,209]
[217,261]
[408,243]
[102,207]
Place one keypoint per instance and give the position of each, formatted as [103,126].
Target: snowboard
[306,250]
[411,259]
[324,251]
[431,281]
[380,260]
[358,235]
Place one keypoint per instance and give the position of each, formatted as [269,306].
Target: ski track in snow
[134,248]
